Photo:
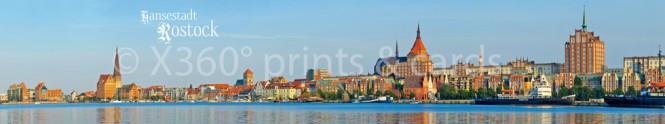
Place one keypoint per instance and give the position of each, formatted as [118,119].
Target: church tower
[248,77]
[116,70]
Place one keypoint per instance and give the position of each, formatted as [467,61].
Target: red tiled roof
[248,71]
[104,77]
[193,91]
[39,86]
[89,93]
[418,47]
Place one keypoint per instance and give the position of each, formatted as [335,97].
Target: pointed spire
[418,46]
[116,67]
[584,19]
[396,49]
[418,32]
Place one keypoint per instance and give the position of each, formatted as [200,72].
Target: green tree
[482,93]
[447,91]
[340,94]
[390,92]
[631,91]
[555,94]
[402,94]
[378,93]
[472,93]
[617,91]
[582,93]
[491,93]
[462,94]
[399,86]
[412,95]
[321,93]
[578,81]
[599,92]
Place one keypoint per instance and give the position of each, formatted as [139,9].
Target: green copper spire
[584,19]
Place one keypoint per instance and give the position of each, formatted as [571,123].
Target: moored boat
[646,99]
[540,94]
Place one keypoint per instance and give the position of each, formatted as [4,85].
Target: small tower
[248,77]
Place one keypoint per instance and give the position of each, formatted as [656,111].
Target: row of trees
[448,91]
[582,93]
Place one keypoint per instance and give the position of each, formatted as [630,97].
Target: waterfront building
[495,81]
[564,79]
[212,91]
[416,63]
[247,79]
[631,79]
[478,81]
[652,76]
[281,91]
[108,84]
[3,97]
[422,86]
[86,96]
[259,88]
[41,92]
[317,74]
[279,79]
[610,81]
[584,53]
[521,66]
[328,84]
[31,95]
[18,93]
[618,71]
[193,94]
[54,95]
[641,64]
[518,66]
[548,68]
[130,92]
[516,82]
[175,94]
[73,96]
[591,80]
[155,90]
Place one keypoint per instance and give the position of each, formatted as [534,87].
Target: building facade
[416,63]
[584,52]
[108,84]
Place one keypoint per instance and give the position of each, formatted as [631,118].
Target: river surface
[286,113]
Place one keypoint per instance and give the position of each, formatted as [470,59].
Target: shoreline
[470,102]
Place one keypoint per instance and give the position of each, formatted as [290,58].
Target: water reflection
[303,114]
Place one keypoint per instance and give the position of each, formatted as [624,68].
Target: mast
[660,51]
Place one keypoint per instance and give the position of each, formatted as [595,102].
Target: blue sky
[68,44]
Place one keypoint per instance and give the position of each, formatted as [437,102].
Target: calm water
[320,113]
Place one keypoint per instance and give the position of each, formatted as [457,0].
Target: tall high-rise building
[585,52]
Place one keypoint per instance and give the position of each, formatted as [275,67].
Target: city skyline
[78,66]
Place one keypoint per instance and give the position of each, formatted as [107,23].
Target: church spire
[418,46]
[116,67]
[418,32]
[396,49]
[584,19]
